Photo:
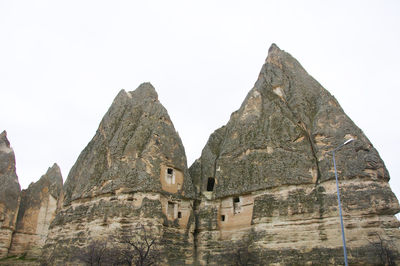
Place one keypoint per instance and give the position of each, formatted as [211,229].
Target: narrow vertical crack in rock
[303,127]
[301,124]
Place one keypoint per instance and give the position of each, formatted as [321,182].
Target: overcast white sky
[63,62]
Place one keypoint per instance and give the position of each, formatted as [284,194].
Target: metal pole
[340,209]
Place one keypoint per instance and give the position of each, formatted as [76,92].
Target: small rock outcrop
[132,172]
[9,194]
[265,181]
[38,206]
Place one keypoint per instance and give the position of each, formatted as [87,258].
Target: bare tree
[242,255]
[95,254]
[384,249]
[49,255]
[138,247]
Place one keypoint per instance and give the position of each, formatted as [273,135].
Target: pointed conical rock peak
[144,91]
[54,178]
[38,206]
[268,173]
[282,135]
[135,143]
[50,183]
[7,159]
[9,194]
[3,139]
[133,171]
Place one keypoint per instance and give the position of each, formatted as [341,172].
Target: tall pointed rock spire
[135,138]
[133,171]
[271,166]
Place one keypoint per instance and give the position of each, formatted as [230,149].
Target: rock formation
[263,191]
[266,180]
[132,172]
[37,209]
[9,194]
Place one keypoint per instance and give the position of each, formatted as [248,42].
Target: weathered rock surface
[268,177]
[38,206]
[133,171]
[263,188]
[9,194]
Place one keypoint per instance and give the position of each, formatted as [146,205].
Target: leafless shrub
[384,249]
[95,254]
[137,247]
[242,254]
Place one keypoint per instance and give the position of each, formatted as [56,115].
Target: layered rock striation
[38,206]
[263,191]
[9,194]
[133,172]
[266,179]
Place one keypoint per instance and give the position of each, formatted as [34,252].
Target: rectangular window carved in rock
[170,171]
[223,218]
[236,205]
[170,176]
[179,215]
[210,184]
[171,210]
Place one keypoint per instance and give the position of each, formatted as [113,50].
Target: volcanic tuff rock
[133,171]
[268,177]
[37,209]
[263,188]
[134,139]
[9,194]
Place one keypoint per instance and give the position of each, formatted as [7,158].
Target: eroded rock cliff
[132,172]
[9,194]
[263,191]
[266,179]
[38,206]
